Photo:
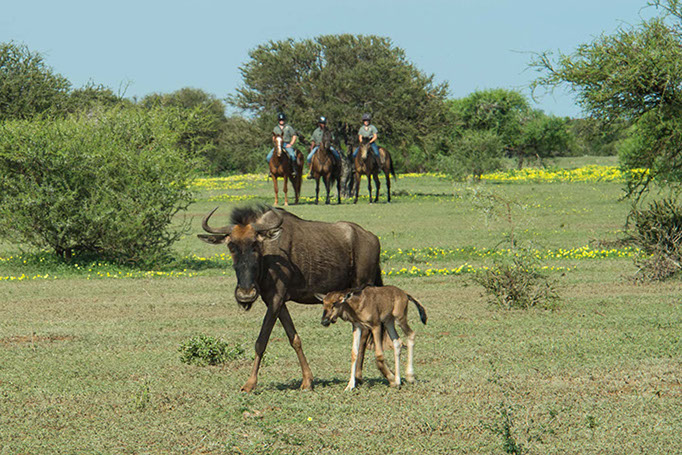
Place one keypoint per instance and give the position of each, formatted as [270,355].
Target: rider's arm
[374,138]
[360,138]
[293,140]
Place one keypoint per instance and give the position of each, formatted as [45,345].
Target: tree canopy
[633,76]
[27,85]
[342,77]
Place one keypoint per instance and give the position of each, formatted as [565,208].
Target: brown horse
[323,165]
[281,166]
[365,163]
[387,169]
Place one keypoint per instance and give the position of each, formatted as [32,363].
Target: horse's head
[278,143]
[326,139]
[364,150]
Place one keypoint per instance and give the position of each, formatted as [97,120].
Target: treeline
[86,171]
[341,77]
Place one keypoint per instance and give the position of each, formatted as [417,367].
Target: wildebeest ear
[214,239]
[319,297]
[272,234]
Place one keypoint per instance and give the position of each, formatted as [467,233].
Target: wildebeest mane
[247,215]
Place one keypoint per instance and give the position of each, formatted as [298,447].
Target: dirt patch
[28,339]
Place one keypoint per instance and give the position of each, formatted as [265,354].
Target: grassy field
[89,363]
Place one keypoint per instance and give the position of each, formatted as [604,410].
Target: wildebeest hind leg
[295,341]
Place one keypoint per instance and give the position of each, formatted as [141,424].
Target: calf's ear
[348,296]
[319,297]
[214,239]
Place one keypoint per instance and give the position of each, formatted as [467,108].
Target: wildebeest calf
[374,308]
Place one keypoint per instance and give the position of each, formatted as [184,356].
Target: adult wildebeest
[323,165]
[281,166]
[374,309]
[281,257]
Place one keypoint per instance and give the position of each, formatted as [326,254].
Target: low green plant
[517,283]
[203,350]
[658,233]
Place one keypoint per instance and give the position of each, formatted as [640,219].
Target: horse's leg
[298,180]
[274,181]
[369,187]
[295,341]
[269,320]
[338,188]
[377,183]
[327,185]
[358,177]
[388,185]
[286,190]
[317,190]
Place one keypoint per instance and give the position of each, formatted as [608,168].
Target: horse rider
[289,137]
[316,140]
[368,133]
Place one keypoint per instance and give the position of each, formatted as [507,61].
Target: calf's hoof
[307,385]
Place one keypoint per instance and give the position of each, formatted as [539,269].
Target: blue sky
[149,46]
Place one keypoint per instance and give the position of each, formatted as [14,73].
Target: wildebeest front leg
[354,356]
[295,341]
[261,343]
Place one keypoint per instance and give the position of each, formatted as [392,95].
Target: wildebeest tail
[420,308]
[378,281]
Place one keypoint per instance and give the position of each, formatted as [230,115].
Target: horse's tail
[420,308]
[392,170]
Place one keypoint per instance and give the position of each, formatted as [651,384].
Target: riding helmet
[281,116]
[366,117]
[322,119]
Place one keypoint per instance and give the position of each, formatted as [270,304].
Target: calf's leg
[409,333]
[397,345]
[357,334]
[379,351]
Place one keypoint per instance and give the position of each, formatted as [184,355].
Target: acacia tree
[341,77]
[632,76]
[27,85]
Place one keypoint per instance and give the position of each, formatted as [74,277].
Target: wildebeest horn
[210,230]
[271,219]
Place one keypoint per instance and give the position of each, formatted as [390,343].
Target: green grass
[92,365]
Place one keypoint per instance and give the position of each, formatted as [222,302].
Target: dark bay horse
[324,166]
[365,163]
[281,166]
[387,169]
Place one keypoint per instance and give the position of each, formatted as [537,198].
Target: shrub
[475,153]
[107,183]
[205,350]
[519,284]
[658,233]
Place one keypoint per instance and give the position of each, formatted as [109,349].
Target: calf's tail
[420,308]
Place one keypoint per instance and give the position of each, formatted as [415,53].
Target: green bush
[205,350]
[658,233]
[475,153]
[107,183]
[518,284]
